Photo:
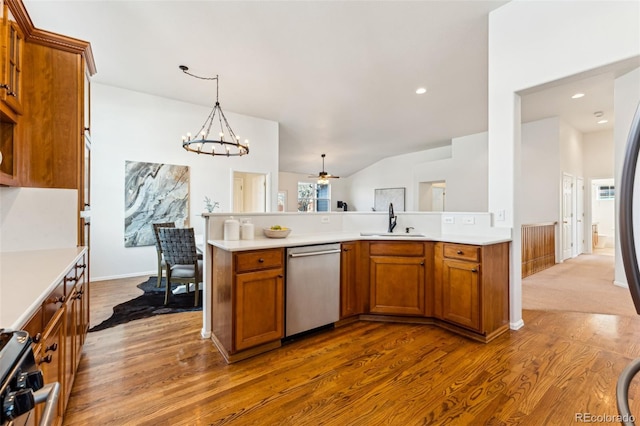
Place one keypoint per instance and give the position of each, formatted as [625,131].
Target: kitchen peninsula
[455,281]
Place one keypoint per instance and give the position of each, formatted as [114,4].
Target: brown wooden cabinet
[58,329]
[397,278]
[472,286]
[350,297]
[12,43]
[50,357]
[247,301]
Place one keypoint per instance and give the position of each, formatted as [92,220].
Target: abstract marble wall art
[383,196]
[153,193]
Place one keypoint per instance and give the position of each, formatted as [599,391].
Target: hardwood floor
[158,371]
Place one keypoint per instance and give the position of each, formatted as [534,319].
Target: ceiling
[339,76]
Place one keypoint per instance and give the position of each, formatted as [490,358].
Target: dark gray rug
[151,303]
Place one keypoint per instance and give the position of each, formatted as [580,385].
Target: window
[314,197]
[606,192]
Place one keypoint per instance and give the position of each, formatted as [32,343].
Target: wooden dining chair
[181,259]
[161,264]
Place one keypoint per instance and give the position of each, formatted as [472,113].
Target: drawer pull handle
[474,270]
[52,347]
[459,252]
[37,338]
[280,276]
[345,249]
[422,263]
[47,359]
[261,260]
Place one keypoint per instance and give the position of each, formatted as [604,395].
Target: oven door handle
[49,394]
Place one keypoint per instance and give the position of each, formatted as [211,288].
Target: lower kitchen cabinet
[472,286]
[58,329]
[397,278]
[259,306]
[50,358]
[247,301]
[350,298]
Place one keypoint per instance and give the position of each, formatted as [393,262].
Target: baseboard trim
[620,284]
[516,325]
[117,277]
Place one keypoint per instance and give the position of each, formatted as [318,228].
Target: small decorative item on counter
[210,205]
[246,229]
[277,231]
[231,229]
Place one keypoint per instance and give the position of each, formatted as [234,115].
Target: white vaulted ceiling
[339,76]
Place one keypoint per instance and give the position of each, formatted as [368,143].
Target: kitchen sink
[390,234]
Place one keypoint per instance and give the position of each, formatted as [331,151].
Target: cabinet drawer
[396,249]
[53,303]
[257,260]
[462,252]
[34,326]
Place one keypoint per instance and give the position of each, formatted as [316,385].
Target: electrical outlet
[468,220]
[324,219]
[448,219]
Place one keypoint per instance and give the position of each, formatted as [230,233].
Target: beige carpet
[581,284]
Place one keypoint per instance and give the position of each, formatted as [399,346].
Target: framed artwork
[384,196]
[153,192]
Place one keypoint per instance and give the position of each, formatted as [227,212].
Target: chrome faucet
[392,218]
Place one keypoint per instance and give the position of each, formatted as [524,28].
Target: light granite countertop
[294,240]
[26,279]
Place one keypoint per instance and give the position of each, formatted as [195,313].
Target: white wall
[134,126]
[540,171]
[598,154]
[532,43]
[626,100]
[38,218]
[462,165]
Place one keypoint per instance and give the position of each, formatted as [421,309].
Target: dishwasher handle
[314,253]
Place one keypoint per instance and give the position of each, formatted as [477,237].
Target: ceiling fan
[323,177]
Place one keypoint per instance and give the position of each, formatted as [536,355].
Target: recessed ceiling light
[577,96]
[603,121]
[421,91]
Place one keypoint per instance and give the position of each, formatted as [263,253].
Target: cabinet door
[461,293]
[51,357]
[349,301]
[259,308]
[397,285]
[70,343]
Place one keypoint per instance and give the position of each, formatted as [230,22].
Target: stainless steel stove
[21,383]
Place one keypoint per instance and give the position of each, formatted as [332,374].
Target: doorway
[249,192]
[603,216]
[567,216]
[432,196]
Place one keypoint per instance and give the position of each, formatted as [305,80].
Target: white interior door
[437,204]
[580,232]
[238,194]
[567,216]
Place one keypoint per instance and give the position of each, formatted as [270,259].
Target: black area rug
[151,303]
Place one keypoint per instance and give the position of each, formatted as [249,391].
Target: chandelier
[206,141]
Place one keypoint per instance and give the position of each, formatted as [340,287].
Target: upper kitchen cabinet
[12,41]
[47,141]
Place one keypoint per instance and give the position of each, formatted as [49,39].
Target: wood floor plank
[158,371]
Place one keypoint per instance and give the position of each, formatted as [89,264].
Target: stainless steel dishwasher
[312,287]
